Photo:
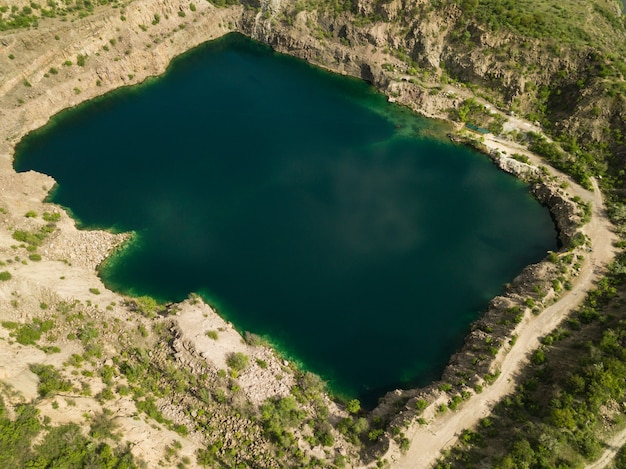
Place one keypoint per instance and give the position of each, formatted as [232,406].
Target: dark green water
[302,204]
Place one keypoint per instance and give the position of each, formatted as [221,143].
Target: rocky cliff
[571,81]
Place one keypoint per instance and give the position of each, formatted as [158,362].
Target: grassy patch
[50,380]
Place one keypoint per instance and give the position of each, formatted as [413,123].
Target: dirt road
[613,446]
[427,441]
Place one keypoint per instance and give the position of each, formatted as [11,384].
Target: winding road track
[428,441]
[612,447]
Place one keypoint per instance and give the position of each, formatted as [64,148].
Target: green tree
[238,361]
[353,406]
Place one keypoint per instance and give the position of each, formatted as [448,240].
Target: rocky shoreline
[490,337]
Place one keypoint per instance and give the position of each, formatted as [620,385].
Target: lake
[303,205]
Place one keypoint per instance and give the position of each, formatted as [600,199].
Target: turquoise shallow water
[301,204]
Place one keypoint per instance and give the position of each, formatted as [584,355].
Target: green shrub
[28,334]
[421,404]
[182,430]
[51,217]
[33,238]
[145,305]
[75,360]
[491,377]
[5,275]
[253,340]
[538,357]
[50,380]
[445,387]
[102,426]
[149,407]
[277,416]
[87,333]
[353,406]
[520,158]
[237,361]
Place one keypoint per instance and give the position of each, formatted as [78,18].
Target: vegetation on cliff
[27,441]
[570,398]
[560,64]
[30,13]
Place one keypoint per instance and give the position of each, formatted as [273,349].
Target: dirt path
[427,441]
[613,446]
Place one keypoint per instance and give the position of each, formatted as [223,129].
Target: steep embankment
[560,65]
[428,440]
[62,64]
